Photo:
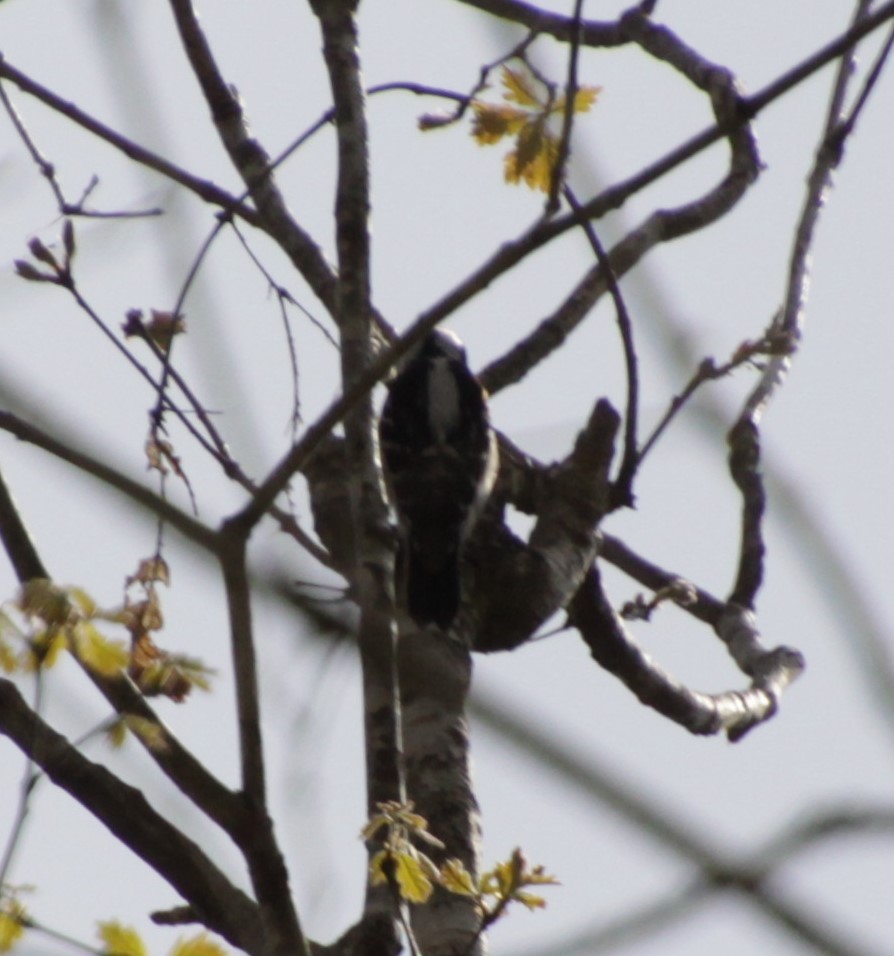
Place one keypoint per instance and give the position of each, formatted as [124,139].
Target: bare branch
[743,437]
[770,670]
[191,529]
[661,226]
[526,584]
[537,20]
[251,160]
[130,817]
[203,188]
[571,87]
[266,865]
[373,559]
[622,490]
[735,712]
[48,171]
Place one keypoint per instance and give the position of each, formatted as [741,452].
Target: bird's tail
[432,589]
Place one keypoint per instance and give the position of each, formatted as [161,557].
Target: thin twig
[771,343]
[232,557]
[48,171]
[250,159]
[164,354]
[571,87]
[622,488]
[846,126]
[201,187]
[190,528]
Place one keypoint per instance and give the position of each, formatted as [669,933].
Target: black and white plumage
[440,458]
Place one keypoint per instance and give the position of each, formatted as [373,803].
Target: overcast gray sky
[440,206]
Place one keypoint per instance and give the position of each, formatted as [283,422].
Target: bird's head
[441,343]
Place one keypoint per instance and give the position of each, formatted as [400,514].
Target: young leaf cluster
[120,940]
[414,875]
[13,920]
[58,619]
[530,105]
[399,862]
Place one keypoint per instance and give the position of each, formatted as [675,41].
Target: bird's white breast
[443,400]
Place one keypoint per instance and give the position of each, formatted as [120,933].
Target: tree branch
[266,865]
[191,529]
[744,109]
[202,188]
[129,816]
[526,584]
[662,226]
[734,712]
[217,801]
[373,560]
[251,160]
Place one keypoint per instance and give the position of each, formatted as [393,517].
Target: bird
[439,456]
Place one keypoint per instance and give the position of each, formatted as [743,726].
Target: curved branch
[734,712]
[742,111]
[661,226]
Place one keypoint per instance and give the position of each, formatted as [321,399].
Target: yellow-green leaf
[201,945]
[39,597]
[457,879]
[373,826]
[9,661]
[520,88]
[44,648]
[197,673]
[116,733]
[149,732]
[585,97]
[539,876]
[533,159]
[492,122]
[82,599]
[529,899]
[377,867]
[97,652]
[120,940]
[415,886]
[12,924]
